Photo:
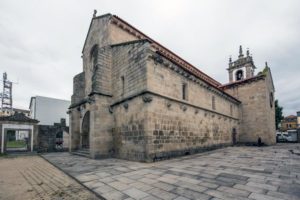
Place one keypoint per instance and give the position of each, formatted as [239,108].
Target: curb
[72,177]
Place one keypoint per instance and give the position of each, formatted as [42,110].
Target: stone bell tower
[241,69]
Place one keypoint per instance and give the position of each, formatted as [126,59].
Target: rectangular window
[231,110]
[184,92]
[213,102]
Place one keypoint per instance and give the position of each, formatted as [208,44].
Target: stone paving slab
[33,178]
[230,173]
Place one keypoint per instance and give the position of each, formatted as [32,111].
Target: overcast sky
[41,41]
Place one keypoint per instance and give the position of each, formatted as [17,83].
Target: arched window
[94,55]
[239,75]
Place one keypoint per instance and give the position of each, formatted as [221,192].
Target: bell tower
[242,68]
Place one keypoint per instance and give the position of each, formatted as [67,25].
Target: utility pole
[6,95]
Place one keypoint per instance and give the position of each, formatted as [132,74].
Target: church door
[234,136]
[85,134]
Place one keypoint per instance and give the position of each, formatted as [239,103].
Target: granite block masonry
[137,100]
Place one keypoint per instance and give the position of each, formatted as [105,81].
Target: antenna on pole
[6,95]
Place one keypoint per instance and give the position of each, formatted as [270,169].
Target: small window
[271,99]
[231,110]
[213,102]
[184,91]
[123,84]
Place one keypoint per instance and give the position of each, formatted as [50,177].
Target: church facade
[137,100]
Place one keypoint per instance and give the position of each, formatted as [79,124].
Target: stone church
[137,100]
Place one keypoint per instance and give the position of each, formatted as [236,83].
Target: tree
[278,114]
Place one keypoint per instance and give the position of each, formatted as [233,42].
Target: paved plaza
[33,178]
[231,173]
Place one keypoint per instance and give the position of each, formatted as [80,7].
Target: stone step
[82,152]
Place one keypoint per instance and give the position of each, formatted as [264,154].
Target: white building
[48,110]
[298,119]
[21,135]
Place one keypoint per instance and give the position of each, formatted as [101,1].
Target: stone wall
[257,117]
[150,127]
[270,131]
[102,33]
[97,35]
[129,70]
[151,121]
[101,76]
[167,78]
[101,126]
[47,136]
[0,137]
[129,131]
[175,128]
[78,88]
[35,137]
[74,129]
[129,78]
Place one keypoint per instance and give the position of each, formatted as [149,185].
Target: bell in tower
[242,68]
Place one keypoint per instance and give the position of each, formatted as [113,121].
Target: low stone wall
[47,137]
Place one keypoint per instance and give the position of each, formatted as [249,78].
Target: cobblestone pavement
[232,173]
[33,178]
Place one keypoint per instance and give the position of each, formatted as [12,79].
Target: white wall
[50,110]
[32,108]
[21,135]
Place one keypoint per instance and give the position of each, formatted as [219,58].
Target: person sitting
[259,143]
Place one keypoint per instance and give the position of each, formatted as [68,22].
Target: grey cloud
[41,41]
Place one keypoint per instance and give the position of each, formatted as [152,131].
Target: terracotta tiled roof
[257,77]
[291,116]
[165,52]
